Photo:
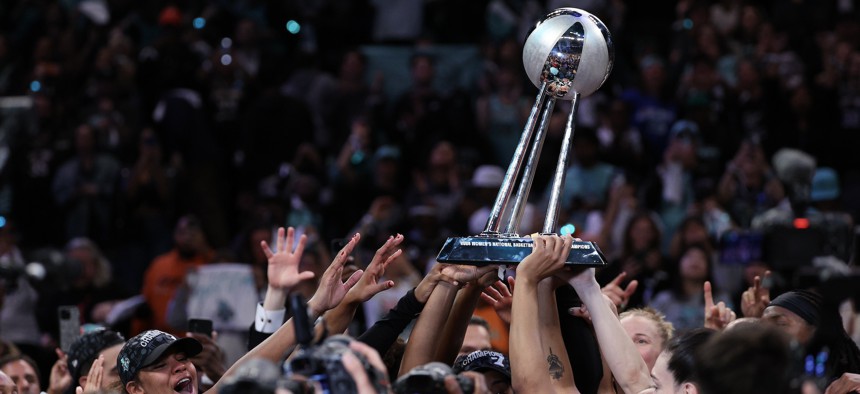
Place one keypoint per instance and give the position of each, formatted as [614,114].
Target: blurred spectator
[620,142]
[438,183]
[587,182]
[167,272]
[84,188]
[112,134]
[725,16]
[748,186]
[669,189]
[640,258]
[651,108]
[148,195]
[420,115]
[311,84]
[485,184]
[683,304]
[353,97]
[88,285]
[502,114]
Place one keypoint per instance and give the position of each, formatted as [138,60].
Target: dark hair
[682,228]
[23,357]
[677,282]
[682,353]
[748,359]
[627,247]
[479,321]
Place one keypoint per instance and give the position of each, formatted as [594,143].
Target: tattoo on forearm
[556,368]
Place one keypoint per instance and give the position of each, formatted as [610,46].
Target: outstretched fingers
[343,256]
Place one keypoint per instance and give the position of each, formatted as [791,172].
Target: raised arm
[554,350]
[451,339]
[529,363]
[338,319]
[421,347]
[329,294]
[620,353]
[282,273]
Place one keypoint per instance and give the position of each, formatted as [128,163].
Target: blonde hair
[664,327]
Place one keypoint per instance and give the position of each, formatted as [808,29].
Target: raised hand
[620,296]
[368,286]
[426,286]
[283,271]
[756,298]
[94,378]
[547,258]
[718,316]
[500,298]
[332,289]
[60,379]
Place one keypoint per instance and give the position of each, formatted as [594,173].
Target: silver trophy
[568,55]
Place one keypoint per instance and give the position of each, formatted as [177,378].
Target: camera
[430,378]
[48,269]
[322,363]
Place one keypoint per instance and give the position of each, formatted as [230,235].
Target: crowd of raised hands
[442,305]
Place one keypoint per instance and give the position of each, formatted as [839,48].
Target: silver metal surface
[494,221]
[522,195]
[570,48]
[560,169]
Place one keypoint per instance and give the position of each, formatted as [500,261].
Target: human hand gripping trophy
[568,55]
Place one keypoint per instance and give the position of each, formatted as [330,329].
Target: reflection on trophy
[568,55]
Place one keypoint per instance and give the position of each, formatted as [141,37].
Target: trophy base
[483,250]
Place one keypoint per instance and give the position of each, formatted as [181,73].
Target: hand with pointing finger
[718,316]
[756,298]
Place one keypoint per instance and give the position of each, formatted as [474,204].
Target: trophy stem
[522,194]
[514,168]
[560,169]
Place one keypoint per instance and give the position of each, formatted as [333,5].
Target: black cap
[85,349]
[482,360]
[147,347]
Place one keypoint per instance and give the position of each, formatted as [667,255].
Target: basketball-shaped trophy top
[571,50]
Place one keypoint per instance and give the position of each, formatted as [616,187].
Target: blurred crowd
[140,141]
